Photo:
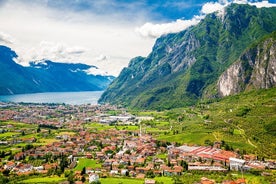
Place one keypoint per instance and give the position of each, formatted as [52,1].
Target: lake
[73,98]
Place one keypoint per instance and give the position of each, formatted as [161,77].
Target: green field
[238,132]
[244,122]
[165,180]
[84,162]
[8,134]
[54,179]
[120,181]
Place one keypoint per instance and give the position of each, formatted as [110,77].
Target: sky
[103,33]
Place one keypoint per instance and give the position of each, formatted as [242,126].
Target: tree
[70,177]
[169,163]
[83,179]
[184,164]
[212,162]
[63,163]
[150,174]
[6,172]
[176,179]
[83,171]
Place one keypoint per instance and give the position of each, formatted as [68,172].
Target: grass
[17,124]
[98,126]
[190,138]
[129,127]
[85,162]
[54,179]
[120,181]
[238,132]
[45,141]
[162,156]
[166,180]
[8,134]
[66,133]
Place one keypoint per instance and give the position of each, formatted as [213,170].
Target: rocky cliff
[255,69]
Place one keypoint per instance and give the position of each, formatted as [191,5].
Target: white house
[236,164]
[93,178]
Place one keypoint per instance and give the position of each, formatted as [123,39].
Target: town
[88,143]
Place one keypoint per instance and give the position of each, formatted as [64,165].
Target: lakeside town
[59,138]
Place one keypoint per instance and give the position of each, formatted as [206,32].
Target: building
[236,164]
[93,178]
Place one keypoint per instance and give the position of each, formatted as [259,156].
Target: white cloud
[6,39]
[44,33]
[59,52]
[211,7]
[96,71]
[152,30]
[104,40]
[156,30]
[263,4]
[102,58]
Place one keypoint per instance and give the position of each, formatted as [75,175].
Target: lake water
[73,98]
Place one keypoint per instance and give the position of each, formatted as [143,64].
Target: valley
[198,108]
[75,142]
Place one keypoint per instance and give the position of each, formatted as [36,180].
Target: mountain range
[228,52]
[46,76]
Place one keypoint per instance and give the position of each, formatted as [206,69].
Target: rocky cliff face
[255,69]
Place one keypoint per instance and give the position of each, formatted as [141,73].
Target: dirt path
[249,142]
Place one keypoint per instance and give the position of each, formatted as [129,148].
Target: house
[149,181]
[19,156]
[206,181]
[124,172]
[142,170]
[9,165]
[93,178]
[236,164]
[114,172]
[89,155]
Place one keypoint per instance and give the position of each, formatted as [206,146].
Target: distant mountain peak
[46,76]
[6,53]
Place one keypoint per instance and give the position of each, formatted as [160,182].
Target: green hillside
[184,67]
[244,122]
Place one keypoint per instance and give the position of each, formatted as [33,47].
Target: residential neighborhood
[114,152]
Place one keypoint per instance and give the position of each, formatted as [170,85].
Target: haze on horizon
[104,33]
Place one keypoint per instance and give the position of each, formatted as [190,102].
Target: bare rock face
[256,69]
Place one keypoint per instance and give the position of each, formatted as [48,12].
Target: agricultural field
[87,163]
[121,181]
[243,122]
[49,180]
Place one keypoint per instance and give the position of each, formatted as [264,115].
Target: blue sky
[158,10]
[104,33]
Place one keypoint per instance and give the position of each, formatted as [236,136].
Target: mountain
[185,67]
[46,76]
[255,69]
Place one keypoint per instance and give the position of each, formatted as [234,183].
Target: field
[54,179]
[84,162]
[23,131]
[244,122]
[120,181]
[165,180]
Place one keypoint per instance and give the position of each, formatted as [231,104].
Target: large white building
[93,178]
[236,164]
